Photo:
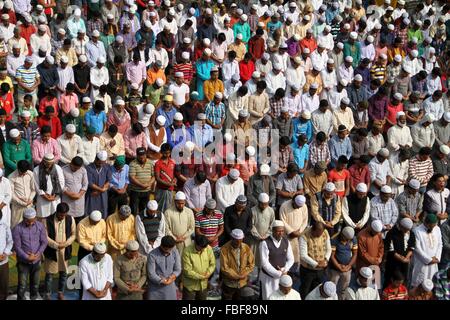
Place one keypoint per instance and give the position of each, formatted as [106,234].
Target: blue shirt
[301,155]
[215,113]
[343,252]
[305,128]
[339,148]
[201,136]
[97,121]
[168,114]
[119,178]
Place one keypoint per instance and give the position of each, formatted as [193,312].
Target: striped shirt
[142,173]
[421,170]
[209,225]
[215,113]
[378,71]
[319,153]
[442,285]
[27,76]
[187,69]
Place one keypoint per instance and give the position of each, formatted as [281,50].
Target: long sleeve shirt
[22,187]
[40,149]
[197,267]
[421,170]
[304,256]
[29,239]
[196,195]
[386,212]
[227,193]
[70,148]
[119,232]
[89,234]
[340,147]
[265,263]
[141,236]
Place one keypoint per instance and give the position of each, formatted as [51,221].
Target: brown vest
[157,141]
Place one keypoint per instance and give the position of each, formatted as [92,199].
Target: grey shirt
[289,185]
[161,266]
[406,203]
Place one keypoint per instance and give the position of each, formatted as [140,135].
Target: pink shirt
[247,169]
[132,142]
[123,124]
[39,149]
[68,102]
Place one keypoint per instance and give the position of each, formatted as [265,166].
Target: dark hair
[46,129]
[243,90]
[425,151]
[261,84]
[365,158]
[323,103]
[292,167]
[321,136]
[62,208]
[285,141]
[23,166]
[70,86]
[259,32]
[49,109]
[280,93]
[363,132]
[99,105]
[67,42]
[200,176]
[221,36]
[232,54]
[137,127]
[165,147]
[113,129]
[77,161]
[397,276]
[118,59]
[201,241]
[167,242]
[343,159]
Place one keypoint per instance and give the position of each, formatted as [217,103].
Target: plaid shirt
[319,153]
[402,34]
[286,156]
[275,106]
[393,71]
[215,113]
[442,284]
[94,25]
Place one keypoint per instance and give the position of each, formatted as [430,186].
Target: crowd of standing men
[278,150]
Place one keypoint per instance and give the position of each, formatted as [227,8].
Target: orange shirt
[152,76]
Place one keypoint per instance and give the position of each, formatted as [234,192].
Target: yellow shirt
[310,79]
[117,150]
[240,50]
[88,235]
[71,54]
[210,87]
[119,232]
[180,224]
[197,267]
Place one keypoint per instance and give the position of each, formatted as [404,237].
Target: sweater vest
[277,256]
[151,225]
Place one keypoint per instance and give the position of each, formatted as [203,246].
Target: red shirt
[26,32]
[339,178]
[311,44]
[246,70]
[390,294]
[256,47]
[358,175]
[169,172]
[53,123]
[392,114]
[45,103]
[7,103]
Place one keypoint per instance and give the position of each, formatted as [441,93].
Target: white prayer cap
[101,59]
[65,59]
[386,189]
[349,59]
[8,5]
[159,82]
[314,85]
[132,245]
[25,114]
[330,61]
[406,21]
[102,155]
[429,117]
[414,53]
[86,100]
[201,116]
[189,146]
[348,232]
[119,102]
[239,36]
[152,205]
[29,213]
[110,16]
[161,120]
[407,223]
[134,86]
[398,58]
[427,285]
[244,17]
[218,95]
[119,39]
[250,150]
[353,35]
[192,11]
[444,149]
[298,60]
[256,74]
[347,26]
[266,56]
[16,45]
[62,31]
[41,19]
[277,224]
[149,108]
[264,169]
[300,200]
[100,248]
[234,174]
[153,13]
[172,11]
[321,44]
[178,116]
[207,51]
[254,7]
[429,40]
[95,216]
[370,38]
[77,12]
[148,24]
[70,128]
[296,37]
[330,187]
[306,115]
[376,225]
[307,18]
[340,45]
[185,55]
[327,28]
[345,100]
[286,281]
[237,234]
[343,82]
[306,50]
[260,24]
[361,187]
[398,96]
[383,152]
[419,23]
[180,6]
[228,137]
[366,272]
[49,157]
[401,113]
[329,288]
[263,198]
[50,59]
[180,196]
[401,2]
[14,133]
[414,40]
[96,33]
[82,58]
[391,27]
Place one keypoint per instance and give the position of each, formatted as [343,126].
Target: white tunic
[274,82]
[428,245]
[90,149]
[227,193]
[95,275]
[270,283]
[295,77]
[145,247]
[322,121]
[45,208]
[315,295]
[367,293]
[398,136]
[5,197]
[292,295]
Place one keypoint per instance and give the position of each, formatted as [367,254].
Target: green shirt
[195,265]
[13,153]
[142,173]
[417,33]
[153,95]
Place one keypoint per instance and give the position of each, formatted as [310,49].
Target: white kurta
[274,82]
[45,208]
[428,245]
[292,295]
[227,193]
[270,283]
[362,294]
[95,275]
[315,295]
[5,197]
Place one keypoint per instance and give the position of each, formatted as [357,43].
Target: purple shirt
[29,239]
[377,107]
[293,47]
